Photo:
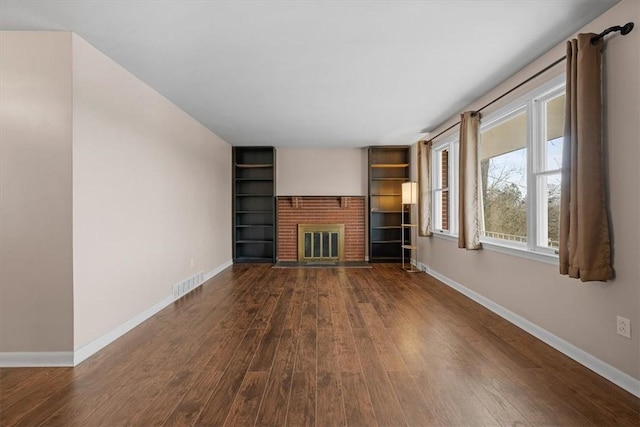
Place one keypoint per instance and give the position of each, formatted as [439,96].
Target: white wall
[584,314]
[36,286]
[152,190]
[321,172]
[109,195]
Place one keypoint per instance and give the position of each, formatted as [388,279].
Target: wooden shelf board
[409,225]
[390,165]
[254,165]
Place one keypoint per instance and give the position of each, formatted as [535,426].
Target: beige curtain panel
[424,188]
[585,249]
[469,230]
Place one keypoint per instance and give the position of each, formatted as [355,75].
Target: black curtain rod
[624,30]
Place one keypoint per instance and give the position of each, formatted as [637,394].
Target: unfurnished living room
[358,212]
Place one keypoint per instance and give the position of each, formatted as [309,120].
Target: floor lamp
[409,197]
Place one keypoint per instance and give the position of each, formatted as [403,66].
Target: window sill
[521,252]
[445,236]
[551,259]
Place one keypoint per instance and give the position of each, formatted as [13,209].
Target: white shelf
[411,247]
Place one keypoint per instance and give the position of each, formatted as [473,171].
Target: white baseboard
[217,270]
[601,368]
[95,346]
[36,359]
[48,359]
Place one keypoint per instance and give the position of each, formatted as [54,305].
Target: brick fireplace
[349,211]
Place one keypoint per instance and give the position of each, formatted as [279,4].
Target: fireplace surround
[321,211]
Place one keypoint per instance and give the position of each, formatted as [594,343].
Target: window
[548,168]
[503,178]
[520,161]
[444,159]
[520,155]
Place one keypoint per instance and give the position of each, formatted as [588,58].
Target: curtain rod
[624,30]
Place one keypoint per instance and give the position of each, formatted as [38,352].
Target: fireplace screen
[320,242]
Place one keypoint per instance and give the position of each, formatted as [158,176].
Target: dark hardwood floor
[327,347]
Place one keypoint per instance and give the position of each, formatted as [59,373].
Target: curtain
[468,211]
[585,250]
[424,188]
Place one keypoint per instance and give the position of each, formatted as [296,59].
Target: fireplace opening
[320,242]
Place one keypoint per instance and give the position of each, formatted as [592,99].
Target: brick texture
[321,210]
[445,194]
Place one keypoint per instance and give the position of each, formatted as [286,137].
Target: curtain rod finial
[626,29]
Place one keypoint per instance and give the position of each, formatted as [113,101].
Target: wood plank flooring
[326,347]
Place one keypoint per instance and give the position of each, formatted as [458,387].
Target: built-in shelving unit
[254,221]
[388,169]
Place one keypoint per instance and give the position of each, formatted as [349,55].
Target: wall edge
[90,349]
[36,359]
[614,375]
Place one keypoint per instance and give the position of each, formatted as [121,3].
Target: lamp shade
[409,193]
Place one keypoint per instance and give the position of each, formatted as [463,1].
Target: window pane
[441,210]
[554,154]
[442,169]
[503,167]
[445,210]
[444,164]
[549,210]
[441,191]
[554,125]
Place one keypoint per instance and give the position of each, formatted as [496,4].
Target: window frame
[451,144]
[539,168]
[532,103]
[495,119]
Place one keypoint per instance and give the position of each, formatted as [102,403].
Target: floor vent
[184,287]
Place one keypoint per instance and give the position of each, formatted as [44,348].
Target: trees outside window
[503,172]
[520,155]
[520,166]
